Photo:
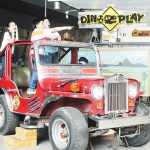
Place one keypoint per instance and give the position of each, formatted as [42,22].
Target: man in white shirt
[40,33]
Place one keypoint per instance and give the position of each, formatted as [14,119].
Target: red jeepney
[71,98]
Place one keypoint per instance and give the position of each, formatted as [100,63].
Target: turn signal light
[99,104]
[75,87]
[131,102]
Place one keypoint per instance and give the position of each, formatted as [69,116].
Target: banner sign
[138,33]
[109,18]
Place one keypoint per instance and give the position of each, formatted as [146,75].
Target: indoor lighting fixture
[67,16]
[56,5]
[67,13]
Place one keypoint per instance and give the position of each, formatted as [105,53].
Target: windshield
[66,61]
[52,55]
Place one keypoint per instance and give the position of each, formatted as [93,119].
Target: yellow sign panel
[110,18]
[110,21]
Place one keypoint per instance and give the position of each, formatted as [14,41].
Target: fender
[7,98]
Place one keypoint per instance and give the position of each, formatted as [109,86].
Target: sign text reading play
[110,19]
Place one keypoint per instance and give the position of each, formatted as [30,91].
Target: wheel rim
[60,133]
[2,114]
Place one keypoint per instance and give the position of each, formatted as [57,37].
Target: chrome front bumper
[122,122]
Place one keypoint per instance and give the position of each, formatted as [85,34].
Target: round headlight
[97,92]
[132,90]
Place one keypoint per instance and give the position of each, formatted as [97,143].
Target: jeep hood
[67,84]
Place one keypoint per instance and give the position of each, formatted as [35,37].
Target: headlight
[97,92]
[132,90]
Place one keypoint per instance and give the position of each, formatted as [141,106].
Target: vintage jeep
[71,98]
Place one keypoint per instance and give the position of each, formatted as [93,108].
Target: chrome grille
[116,94]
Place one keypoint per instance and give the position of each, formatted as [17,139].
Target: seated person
[83,60]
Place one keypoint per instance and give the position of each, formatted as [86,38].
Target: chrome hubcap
[2,118]
[60,133]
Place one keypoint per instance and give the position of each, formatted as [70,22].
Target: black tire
[10,120]
[73,124]
[144,137]
[139,140]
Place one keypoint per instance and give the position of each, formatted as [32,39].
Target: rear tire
[144,137]
[139,140]
[8,120]
[68,130]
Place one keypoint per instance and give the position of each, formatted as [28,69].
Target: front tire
[68,129]
[8,120]
[144,137]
